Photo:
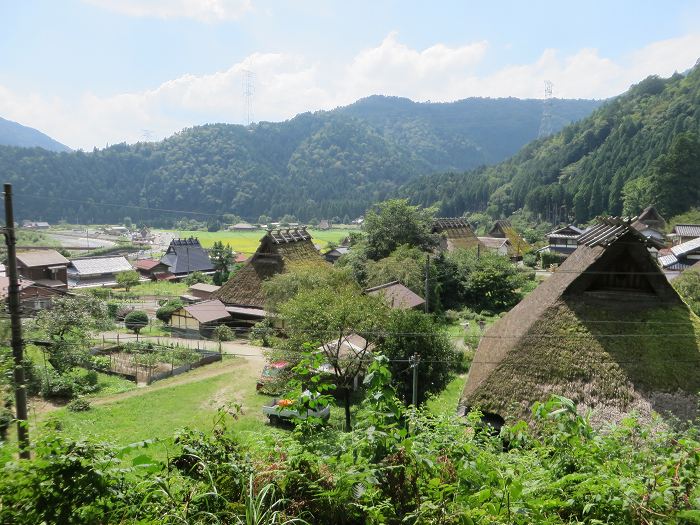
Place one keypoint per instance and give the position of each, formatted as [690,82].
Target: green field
[248,241]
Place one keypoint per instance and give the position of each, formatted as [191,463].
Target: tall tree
[392,223]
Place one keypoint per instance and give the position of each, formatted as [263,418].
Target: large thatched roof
[278,250]
[455,232]
[606,329]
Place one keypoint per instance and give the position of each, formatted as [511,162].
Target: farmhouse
[243,227]
[496,244]
[596,332]
[333,255]
[45,267]
[32,296]
[324,224]
[680,257]
[651,224]
[185,256]
[454,233]
[562,241]
[503,229]
[40,225]
[278,251]
[685,232]
[397,296]
[151,268]
[199,318]
[85,272]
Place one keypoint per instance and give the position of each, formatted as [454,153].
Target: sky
[90,73]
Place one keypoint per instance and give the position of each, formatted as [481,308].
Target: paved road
[237,348]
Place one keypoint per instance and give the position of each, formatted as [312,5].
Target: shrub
[136,320]
[223,333]
[112,309]
[530,259]
[549,258]
[123,311]
[79,405]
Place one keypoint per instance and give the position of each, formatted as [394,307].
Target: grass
[248,241]
[158,289]
[446,401]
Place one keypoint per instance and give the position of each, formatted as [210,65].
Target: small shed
[397,296]
[149,268]
[336,253]
[199,318]
[200,292]
[48,265]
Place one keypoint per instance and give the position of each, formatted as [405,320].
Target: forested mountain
[316,165]
[638,149]
[14,134]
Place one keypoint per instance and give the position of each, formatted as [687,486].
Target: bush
[68,385]
[136,321]
[223,333]
[113,308]
[530,260]
[123,311]
[549,258]
[79,405]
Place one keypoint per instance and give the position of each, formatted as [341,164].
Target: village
[191,307]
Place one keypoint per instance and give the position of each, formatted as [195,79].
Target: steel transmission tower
[546,127]
[248,91]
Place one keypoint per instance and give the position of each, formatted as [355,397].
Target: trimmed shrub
[136,320]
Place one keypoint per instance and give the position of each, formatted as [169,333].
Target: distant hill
[14,134]
[639,148]
[315,165]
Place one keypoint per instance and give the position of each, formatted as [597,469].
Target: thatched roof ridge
[531,353]
[456,233]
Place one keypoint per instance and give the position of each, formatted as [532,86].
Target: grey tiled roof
[99,265]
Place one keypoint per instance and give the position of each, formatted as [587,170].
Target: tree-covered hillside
[14,134]
[638,149]
[316,165]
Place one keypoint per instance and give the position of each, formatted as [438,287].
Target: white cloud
[203,10]
[287,84]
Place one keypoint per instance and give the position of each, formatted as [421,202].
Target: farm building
[277,252]
[397,295]
[151,268]
[651,224]
[597,332]
[680,257]
[32,296]
[324,224]
[503,229]
[185,256]
[199,292]
[96,271]
[562,241]
[243,227]
[496,244]
[336,253]
[685,232]
[46,267]
[455,233]
[199,318]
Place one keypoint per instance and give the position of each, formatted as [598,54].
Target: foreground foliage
[397,466]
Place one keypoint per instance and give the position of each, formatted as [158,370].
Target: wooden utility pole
[427,281]
[414,360]
[16,322]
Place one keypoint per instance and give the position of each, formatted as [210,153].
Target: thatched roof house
[606,330]
[397,296]
[503,229]
[455,232]
[278,250]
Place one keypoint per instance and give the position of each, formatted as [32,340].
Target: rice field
[248,241]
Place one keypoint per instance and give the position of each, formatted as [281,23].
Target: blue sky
[93,72]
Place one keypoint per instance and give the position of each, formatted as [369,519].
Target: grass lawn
[446,401]
[248,241]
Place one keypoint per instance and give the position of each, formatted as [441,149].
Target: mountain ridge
[16,134]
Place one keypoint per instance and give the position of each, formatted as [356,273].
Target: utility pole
[427,282]
[16,322]
[414,360]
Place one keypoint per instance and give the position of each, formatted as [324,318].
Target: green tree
[136,321]
[675,179]
[409,332]
[392,223]
[128,279]
[68,326]
[485,280]
[165,312]
[197,277]
[222,258]
[328,317]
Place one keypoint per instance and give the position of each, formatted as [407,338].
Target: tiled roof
[204,287]
[146,264]
[99,265]
[684,248]
[397,295]
[34,258]
[557,232]
[607,231]
[687,230]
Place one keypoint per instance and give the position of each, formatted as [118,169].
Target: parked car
[278,410]
[274,377]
